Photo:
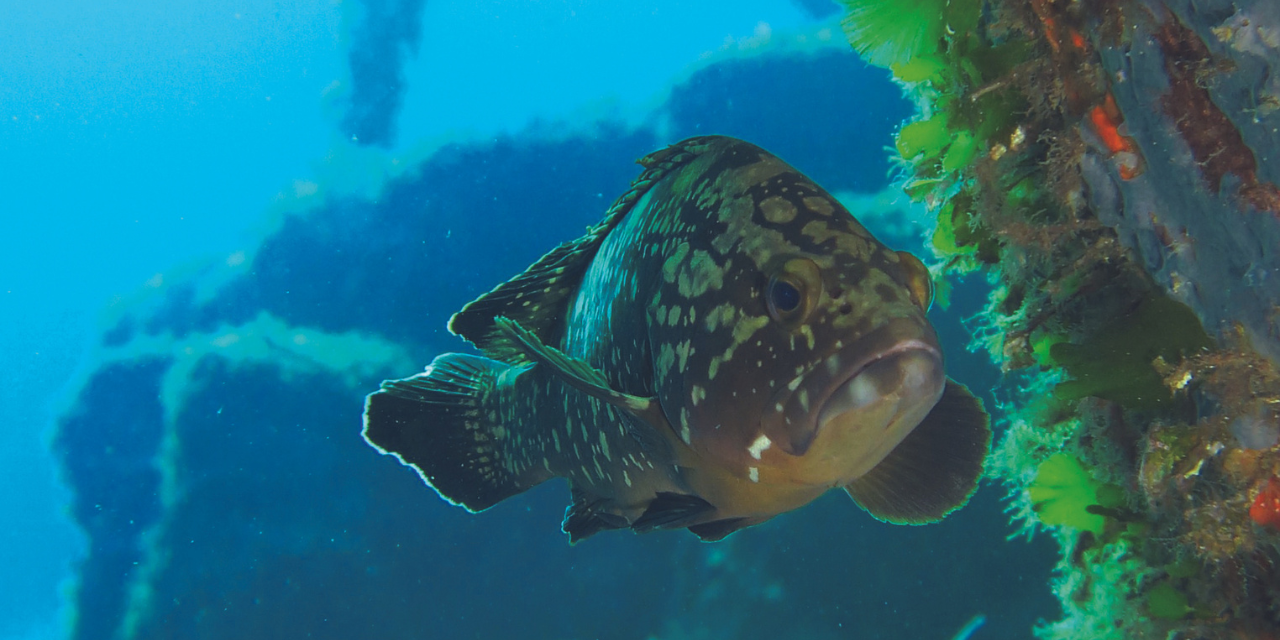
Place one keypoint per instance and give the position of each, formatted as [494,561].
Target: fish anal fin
[935,469]
[434,422]
[717,530]
[670,510]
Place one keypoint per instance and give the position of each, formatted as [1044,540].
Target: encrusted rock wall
[1198,84]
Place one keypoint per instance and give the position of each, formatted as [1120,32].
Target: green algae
[1116,363]
[1102,367]
[885,32]
[924,139]
[960,231]
[1165,601]
[1064,493]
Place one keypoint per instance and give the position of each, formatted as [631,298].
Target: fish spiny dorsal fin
[539,298]
[935,470]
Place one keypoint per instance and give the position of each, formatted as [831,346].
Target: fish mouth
[867,387]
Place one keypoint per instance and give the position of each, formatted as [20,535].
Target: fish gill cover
[220,477]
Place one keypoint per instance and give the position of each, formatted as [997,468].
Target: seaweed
[1116,362]
[1144,430]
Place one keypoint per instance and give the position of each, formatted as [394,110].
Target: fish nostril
[846,309]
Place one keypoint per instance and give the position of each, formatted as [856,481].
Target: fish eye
[784,297]
[792,291]
[918,280]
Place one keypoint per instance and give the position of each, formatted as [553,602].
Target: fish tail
[445,423]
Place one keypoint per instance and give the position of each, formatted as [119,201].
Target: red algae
[1265,509]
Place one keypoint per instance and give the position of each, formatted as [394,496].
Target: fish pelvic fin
[442,423]
[589,515]
[935,470]
[581,375]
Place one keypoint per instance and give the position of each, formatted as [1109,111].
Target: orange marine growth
[1106,120]
[1266,507]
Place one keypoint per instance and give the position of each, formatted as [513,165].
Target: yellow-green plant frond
[1063,493]
[885,32]
[889,31]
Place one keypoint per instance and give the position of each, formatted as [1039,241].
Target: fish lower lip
[793,422]
[859,390]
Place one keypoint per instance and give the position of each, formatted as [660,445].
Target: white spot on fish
[759,446]
[753,473]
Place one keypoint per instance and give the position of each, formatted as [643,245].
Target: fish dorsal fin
[539,298]
[579,374]
[935,469]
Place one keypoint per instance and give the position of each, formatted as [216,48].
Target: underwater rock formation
[385,34]
[1113,166]
[1200,96]
[215,451]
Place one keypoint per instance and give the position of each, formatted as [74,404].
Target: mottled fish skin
[728,344]
[673,305]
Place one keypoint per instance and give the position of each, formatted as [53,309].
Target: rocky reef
[1112,167]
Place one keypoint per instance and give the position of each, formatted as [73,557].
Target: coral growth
[1144,427]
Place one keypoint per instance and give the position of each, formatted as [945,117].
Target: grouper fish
[728,344]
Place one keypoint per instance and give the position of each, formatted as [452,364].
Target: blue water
[226,221]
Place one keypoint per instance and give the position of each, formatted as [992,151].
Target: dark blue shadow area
[387,33]
[289,528]
[108,443]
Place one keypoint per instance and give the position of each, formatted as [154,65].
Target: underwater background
[227,222]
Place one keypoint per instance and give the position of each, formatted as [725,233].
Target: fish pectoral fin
[935,469]
[717,530]
[579,374]
[670,510]
[589,515]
